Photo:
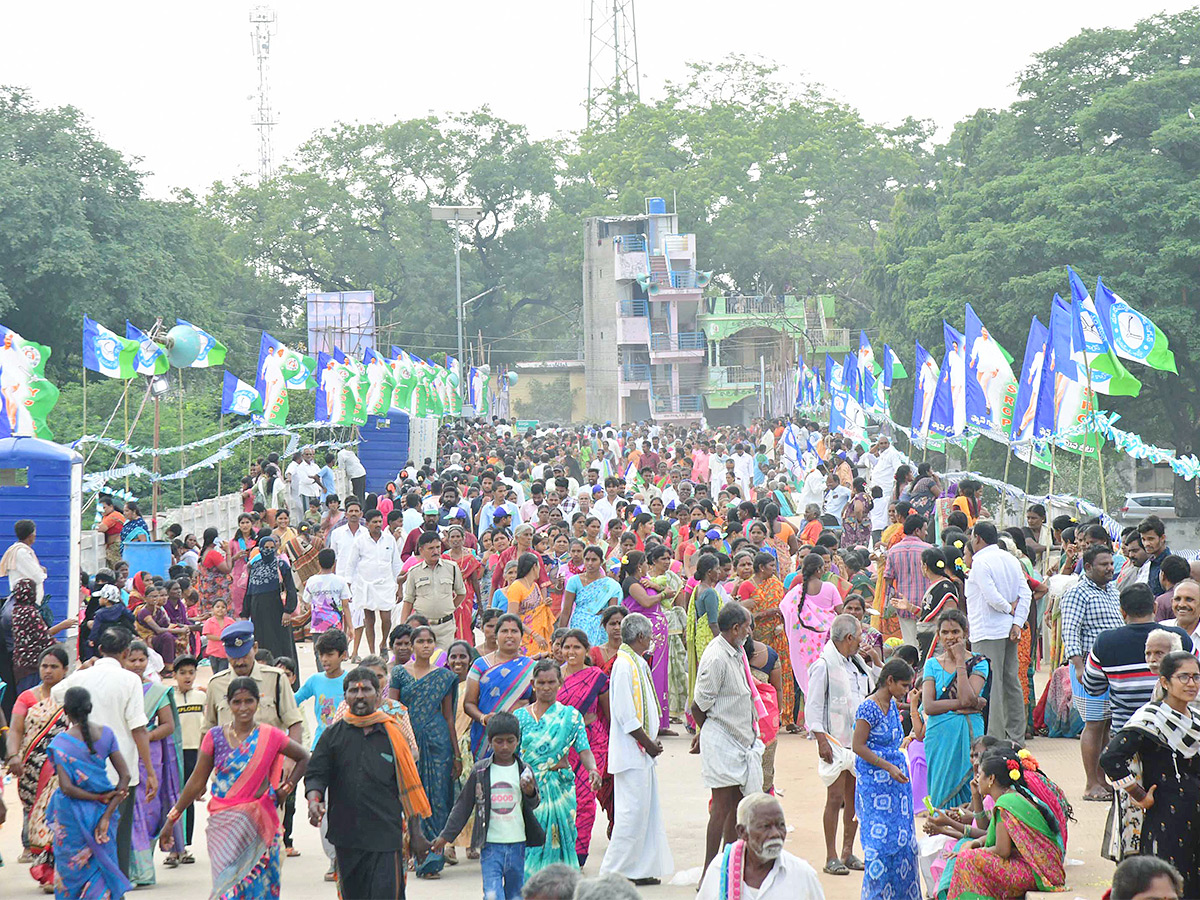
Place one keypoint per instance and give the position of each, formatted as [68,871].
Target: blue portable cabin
[383,448]
[42,481]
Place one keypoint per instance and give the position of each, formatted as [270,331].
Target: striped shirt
[903,567]
[1117,663]
[1088,609]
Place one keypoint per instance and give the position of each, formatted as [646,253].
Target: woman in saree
[856,517]
[643,597]
[585,687]
[701,617]
[604,655]
[186,642]
[83,813]
[239,551]
[154,626]
[36,721]
[549,730]
[953,694]
[31,636]
[244,835]
[166,757]
[135,529]
[587,594]
[763,595]
[925,490]
[458,660]
[470,566]
[499,681]
[1024,847]
[781,537]
[213,579]
[526,599]
[429,693]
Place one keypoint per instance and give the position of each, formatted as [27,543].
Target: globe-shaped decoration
[185,346]
[453,379]
[512,378]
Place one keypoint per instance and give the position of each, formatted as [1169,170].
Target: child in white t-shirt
[328,596]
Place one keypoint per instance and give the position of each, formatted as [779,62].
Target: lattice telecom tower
[262,29]
[613,80]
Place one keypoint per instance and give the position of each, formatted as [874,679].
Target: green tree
[1094,166]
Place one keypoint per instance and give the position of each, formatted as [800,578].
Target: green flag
[27,395]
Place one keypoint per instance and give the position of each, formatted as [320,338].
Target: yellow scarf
[412,794]
[641,694]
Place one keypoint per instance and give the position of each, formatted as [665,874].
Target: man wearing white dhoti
[638,848]
[726,709]
[375,566]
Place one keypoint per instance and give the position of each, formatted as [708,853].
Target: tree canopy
[1094,165]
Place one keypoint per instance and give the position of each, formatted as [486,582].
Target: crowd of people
[541,610]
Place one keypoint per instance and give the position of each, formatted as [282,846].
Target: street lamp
[457,214]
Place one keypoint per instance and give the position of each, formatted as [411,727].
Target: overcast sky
[171,83]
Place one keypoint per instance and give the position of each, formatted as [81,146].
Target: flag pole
[125,403]
[182,452]
[1099,440]
[1007,461]
[85,401]
[1028,475]
[222,427]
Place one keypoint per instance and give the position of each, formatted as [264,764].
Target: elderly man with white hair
[638,847]
[756,865]
[838,682]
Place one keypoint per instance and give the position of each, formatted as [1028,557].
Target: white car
[1138,506]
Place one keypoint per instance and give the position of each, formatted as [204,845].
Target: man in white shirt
[117,701]
[349,462]
[295,501]
[341,539]
[309,475]
[767,871]
[605,509]
[638,847]
[20,562]
[743,466]
[375,563]
[412,517]
[998,598]
[813,491]
[888,460]
[837,495]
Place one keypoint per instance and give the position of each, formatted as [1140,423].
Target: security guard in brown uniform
[276,702]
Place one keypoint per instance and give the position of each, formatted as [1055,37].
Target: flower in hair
[624,560]
[1015,774]
[941,564]
[958,563]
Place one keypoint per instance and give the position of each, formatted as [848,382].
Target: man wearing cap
[276,703]
[434,588]
[376,564]
[430,513]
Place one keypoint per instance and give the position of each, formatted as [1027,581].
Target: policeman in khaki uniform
[433,588]
[276,703]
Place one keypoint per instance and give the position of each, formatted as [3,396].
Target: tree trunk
[1187,498]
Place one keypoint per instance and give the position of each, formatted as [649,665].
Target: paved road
[685,809]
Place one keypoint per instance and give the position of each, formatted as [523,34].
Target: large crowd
[540,609]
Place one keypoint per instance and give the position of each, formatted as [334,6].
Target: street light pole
[454,215]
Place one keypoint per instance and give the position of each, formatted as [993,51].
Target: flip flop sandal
[853,862]
[171,862]
[187,859]
[835,867]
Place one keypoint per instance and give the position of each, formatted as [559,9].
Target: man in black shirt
[362,766]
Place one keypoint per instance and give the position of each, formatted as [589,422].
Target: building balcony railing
[631,243]
[732,376]
[833,338]
[682,340]
[635,372]
[635,308]
[685,403]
